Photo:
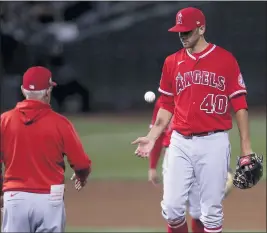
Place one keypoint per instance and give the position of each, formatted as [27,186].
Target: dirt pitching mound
[136,204]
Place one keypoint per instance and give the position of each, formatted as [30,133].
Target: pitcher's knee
[173,214]
[212,219]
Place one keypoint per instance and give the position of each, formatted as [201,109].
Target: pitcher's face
[189,39]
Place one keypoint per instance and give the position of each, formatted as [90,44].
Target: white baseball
[150,96]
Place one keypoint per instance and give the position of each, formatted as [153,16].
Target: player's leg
[211,167]
[194,208]
[194,203]
[177,179]
[165,163]
[15,213]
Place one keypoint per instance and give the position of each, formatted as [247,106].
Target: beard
[190,42]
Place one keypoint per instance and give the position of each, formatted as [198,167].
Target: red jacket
[34,141]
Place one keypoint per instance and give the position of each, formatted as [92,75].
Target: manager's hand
[78,184]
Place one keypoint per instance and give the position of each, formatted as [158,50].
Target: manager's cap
[37,78]
[188,19]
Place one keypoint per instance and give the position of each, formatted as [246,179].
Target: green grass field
[108,142]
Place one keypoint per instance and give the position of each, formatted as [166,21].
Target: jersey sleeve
[165,86]
[73,149]
[236,84]
[239,102]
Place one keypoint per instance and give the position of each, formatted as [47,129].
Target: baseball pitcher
[34,142]
[200,84]
[162,143]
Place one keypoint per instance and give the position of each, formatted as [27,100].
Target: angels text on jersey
[199,77]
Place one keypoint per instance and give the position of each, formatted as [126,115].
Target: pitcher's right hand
[145,145]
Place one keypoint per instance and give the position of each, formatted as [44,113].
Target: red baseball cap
[188,19]
[37,78]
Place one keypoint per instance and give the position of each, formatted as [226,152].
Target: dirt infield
[136,204]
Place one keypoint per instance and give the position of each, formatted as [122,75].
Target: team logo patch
[179,18]
[241,81]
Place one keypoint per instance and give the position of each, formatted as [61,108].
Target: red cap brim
[180,28]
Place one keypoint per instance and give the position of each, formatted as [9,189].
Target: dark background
[106,55]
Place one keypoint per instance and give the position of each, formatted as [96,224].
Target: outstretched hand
[145,145]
